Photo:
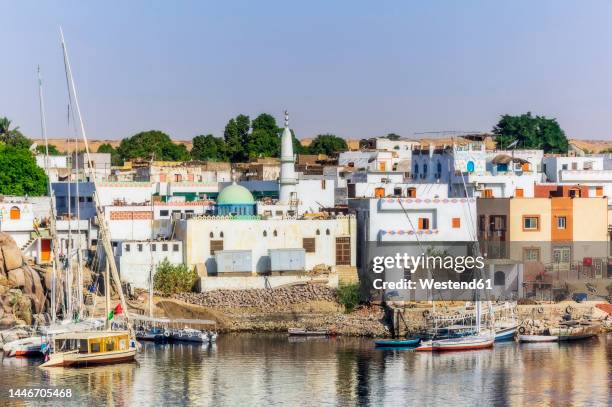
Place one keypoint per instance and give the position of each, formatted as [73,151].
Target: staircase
[28,244]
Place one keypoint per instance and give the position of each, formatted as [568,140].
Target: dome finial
[286,119]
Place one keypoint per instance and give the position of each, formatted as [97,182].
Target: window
[561,222]
[343,251]
[482,221]
[139,247]
[424,169]
[221,234]
[215,245]
[499,278]
[175,247]
[90,199]
[94,348]
[456,223]
[574,193]
[488,193]
[164,247]
[411,192]
[153,247]
[318,232]
[531,223]
[416,168]
[574,166]
[561,254]
[275,233]
[308,243]
[81,199]
[127,247]
[598,191]
[211,235]
[265,233]
[379,192]
[110,346]
[519,193]
[564,166]
[164,212]
[327,232]
[423,223]
[531,254]
[397,191]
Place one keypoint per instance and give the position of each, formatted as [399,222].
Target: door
[343,251]
[45,250]
[15,213]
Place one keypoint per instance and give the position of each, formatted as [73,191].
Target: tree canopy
[236,136]
[12,136]
[327,144]
[208,148]
[152,144]
[19,174]
[536,132]
[40,149]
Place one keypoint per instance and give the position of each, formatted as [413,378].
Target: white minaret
[288,179]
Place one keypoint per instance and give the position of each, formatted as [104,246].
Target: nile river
[245,370]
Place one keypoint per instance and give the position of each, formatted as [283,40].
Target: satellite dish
[470,166]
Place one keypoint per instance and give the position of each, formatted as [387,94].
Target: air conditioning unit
[479,187]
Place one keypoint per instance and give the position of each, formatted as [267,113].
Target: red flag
[118,310]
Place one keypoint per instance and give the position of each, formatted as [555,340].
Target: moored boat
[537,338]
[91,348]
[575,331]
[189,335]
[411,342]
[30,346]
[505,333]
[305,332]
[473,342]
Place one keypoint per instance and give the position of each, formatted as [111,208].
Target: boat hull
[397,343]
[505,334]
[537,338]
[72,359]
[460,344]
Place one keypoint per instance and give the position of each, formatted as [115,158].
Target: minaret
[288,179]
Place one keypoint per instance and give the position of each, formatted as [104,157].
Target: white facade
[259,236]
[590,171]
[138,259]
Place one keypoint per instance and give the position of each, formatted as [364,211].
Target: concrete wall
[135,265]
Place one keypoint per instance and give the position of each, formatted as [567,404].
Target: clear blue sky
[353,68]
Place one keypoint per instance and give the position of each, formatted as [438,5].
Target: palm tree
[12,136]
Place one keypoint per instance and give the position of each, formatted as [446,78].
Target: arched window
[416,168]
[275,233]
[327,232]
[212,235]
[221,234]
[439,168]
[318,232]
[265,233]
[499,278]
[424,169]
[15,213]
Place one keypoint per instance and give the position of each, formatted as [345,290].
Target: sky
[352,68]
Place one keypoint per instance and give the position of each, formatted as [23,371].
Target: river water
[272,369]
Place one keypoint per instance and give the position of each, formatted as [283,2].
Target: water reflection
[273,370]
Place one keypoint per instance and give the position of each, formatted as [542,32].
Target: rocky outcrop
[22,293]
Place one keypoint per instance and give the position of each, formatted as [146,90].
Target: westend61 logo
[430,264]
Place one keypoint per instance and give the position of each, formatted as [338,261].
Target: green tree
[393,136]
[172,279]
[19,174]
[327,144]
[236,136]
[109,149]
[263,144]
[298,148]
[209,148]
[40,149]
[12,136]
[536,132]
[152,144]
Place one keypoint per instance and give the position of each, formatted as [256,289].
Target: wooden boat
[537,338]
[575,331]
[189,335]
[91,348]
[305,332]
[473,342]
[505,333]
[27,347]
[397,342]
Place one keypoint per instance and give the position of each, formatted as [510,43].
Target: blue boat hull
[505,335]
[397,343]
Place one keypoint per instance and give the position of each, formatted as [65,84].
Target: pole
[107,289]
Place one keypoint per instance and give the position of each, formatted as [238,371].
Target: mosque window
[275,233]
[212,235]
[221,234]
[327,232]
[265,233]
[318,232]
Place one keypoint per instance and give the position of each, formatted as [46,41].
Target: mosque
[252,244]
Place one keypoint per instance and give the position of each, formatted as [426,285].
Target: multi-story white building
[137,260]
[587,171]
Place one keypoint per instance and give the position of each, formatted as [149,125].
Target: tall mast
[102,228]
[43,130]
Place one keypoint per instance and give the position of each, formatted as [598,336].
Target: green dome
[235,195]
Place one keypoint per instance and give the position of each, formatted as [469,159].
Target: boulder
[12,257]
[7,322]
[16,278]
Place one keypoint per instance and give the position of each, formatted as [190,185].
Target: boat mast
[102,228]
[43,130]
[152,260]
[107,294]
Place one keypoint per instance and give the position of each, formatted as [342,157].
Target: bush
[170,279]
[348,295]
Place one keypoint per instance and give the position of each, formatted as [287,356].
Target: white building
[96,163]
[137,260]
[589,171]
[56,166]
